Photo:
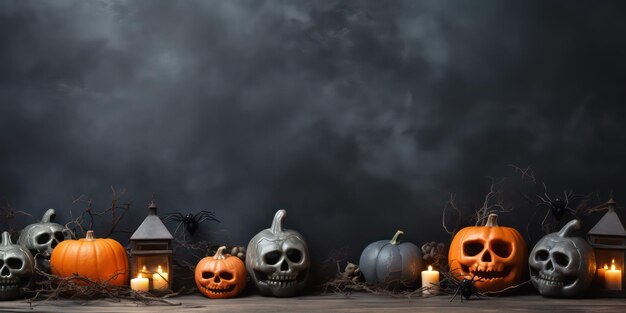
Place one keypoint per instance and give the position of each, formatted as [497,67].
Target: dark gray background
[357,117]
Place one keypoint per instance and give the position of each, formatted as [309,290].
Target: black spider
[190,221]
[466,288]
[557,206]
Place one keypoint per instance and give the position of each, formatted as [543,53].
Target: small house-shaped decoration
[151,252]
[608,239]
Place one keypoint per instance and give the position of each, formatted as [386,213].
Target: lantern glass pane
[605,257]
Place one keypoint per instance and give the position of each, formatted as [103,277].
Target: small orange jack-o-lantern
[493,256]
[221,276]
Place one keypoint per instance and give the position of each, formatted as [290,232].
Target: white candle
[613,278]
[430,281]
[159,279]
[140,283]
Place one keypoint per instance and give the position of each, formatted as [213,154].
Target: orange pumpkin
[221,276]
[494,256]
[97,259]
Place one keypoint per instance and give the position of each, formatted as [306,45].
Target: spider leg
[205,215]
[175,217]
[456,293]
[546,217]
[544,201]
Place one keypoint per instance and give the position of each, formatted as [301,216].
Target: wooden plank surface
[332,303]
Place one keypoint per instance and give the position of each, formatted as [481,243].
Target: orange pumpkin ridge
[221,276]
[495,256]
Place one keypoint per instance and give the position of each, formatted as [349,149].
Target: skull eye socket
[560,258]
[42,238]
[501,248]
[208,275]
[472,248]
[59,236]
[272,258]
[294,255]
[14,263]
[541,255]
[226,276]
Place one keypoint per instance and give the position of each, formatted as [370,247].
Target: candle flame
[160,270]
[143,268]
[606,267]
[613,264]
[139,276]
[430,268]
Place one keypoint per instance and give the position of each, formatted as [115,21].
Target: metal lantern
[608,239]
[151,252]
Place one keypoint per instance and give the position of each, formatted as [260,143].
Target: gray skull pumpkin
[41,238]
[16,268]
[560,265]
[278,260]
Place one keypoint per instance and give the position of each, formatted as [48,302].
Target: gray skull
[278,260]
[562,266]
[41,238]
[16,268]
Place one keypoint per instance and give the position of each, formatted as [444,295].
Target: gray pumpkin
[560,265]
[16,268]
[278,260]
[391,262]
[41,238]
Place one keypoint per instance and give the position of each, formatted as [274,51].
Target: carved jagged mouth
[487,274]
[9,283]
[554,280]
[281,281]
[218,291]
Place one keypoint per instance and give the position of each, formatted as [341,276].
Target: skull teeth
[9,281]
[9,287]
[282,280]
[550,280]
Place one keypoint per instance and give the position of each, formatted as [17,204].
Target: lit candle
[613,278]
[159,279]
[139,283]
[601,272]
[430,281]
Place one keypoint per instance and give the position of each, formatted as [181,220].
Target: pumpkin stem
[396,238]
[6,239]
[568,228]
[277,223]
[90,236]
[49,216]
[219,254]
[492,220]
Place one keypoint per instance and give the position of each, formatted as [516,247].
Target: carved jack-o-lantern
[493,255]
[278,260]
[560,265]
[16,268]
[221,276]
[41,238]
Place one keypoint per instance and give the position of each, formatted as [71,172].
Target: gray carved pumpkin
[41,238]
[278,260]
[560,265]
[391,262]
[16,268]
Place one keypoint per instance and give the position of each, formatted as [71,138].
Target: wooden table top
[358,302]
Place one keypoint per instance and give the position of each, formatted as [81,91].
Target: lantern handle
[49,216]
[568,228]
[277,223]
